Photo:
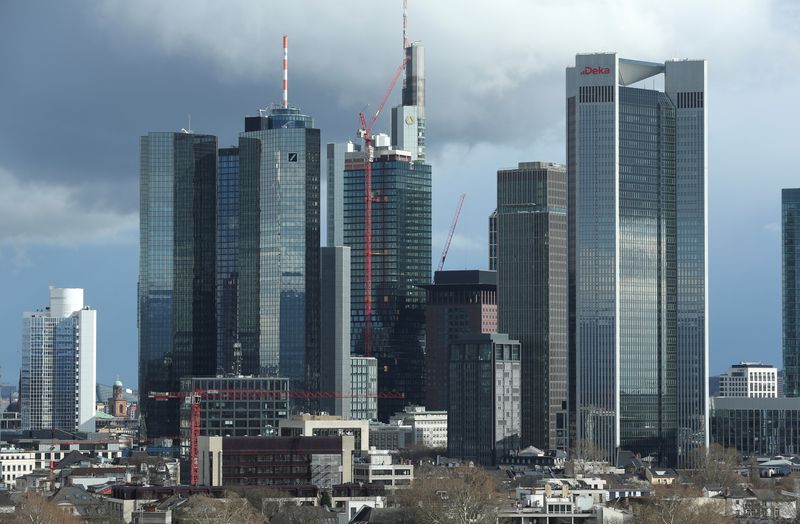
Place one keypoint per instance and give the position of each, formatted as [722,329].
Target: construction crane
[193,398]
[365,132]
[452,231]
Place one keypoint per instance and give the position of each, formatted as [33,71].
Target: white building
[429,427]
[326,426]
[749,379]
[378,466]
[57,376]
[15,463]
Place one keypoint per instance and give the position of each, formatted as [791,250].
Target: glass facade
[177,276]
[364,386]
[764,427]
[790,224]
[401,244]
[227,256]
[279,243]
[532,292]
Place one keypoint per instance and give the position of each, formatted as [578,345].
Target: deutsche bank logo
[292,157]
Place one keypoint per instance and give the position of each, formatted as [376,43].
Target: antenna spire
[285,71]
[405,24]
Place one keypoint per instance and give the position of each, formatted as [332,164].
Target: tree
[715,466]
[455,496]
[201,509]
[326,500]
[35,509]
[679,505]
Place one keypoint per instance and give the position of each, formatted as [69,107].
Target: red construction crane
[452,231]
[365,132]
[194,397]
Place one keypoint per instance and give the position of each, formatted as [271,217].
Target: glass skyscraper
[790,224]
[401,246]
[177,275]
[638,256]
[279,246]
[227,257]
[531,246]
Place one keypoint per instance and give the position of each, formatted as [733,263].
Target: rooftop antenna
[285,71]
[188,130]
[405,24]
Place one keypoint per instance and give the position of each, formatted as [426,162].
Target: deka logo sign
[596,71]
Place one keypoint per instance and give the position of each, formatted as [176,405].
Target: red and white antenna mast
[285,71]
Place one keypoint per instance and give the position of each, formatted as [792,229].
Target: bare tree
[201,509]
[456,496]
[35,509]
[679,505]
[715,466]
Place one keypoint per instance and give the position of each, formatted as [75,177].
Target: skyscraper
[336,367]
[279,246]
[531,240]
[408,119]
[177,269]
[790,225]
[337,156]
[401,244]
[637,248]
[227,257]
[59,352]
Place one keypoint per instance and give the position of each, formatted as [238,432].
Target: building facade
[335,360]
[532,292]
[763,427]
[279,243]
[364,388]
[337,156]
[58,370]
[638,255]
[749,379]
[493,241]
[177,269]
[408,119]
[483,420]
[401,262]
[457,304]
[790,227]
[227,259]
[327,426]
[429,427]
[382,467]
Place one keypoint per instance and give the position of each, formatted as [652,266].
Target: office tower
[637,178]
[177,269]
[227,258]
[493,241]
[364,388]
[749,379]
[337,156]
[457,304]
[57,376]
[483,421]
[336,368]
[790,226]
[279,243]
[532,292]
[408,119]
[401,244]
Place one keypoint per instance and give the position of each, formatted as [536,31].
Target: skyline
[82,188]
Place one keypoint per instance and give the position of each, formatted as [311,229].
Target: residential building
[243,406]
[16,463]
[763,427]
[790,227]
[177,269]
[401,245]
[227,260]
[364,388]
[637,176]
[338,155]
[458,304]
[335,330]
[532,292]
[279,246]
[326,426]
[275,461]
[58,371]
[408,119]
[429,427]
[382,467]
[483,420]
[749,379]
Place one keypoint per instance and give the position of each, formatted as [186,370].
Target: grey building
[335,328]
[484,418]
[279,243]
[493,241]
[408,119]
[638,255]
[790,225]
[532,292]
[177,269]
[756,426]
[227,258]
[363,388]
[337,156]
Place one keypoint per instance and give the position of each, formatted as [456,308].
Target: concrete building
[429,427]
[749,379]
[532,292]
[394,435]
[637,176]
[458,304]
[364,388]
[326,426]
[764,427]
[483,421]
[58,371]
[335,329]
[16,463]
[790,227]
[382,467]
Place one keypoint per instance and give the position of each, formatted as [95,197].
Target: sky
[80,82]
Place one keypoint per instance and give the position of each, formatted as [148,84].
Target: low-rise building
[15,463]
[762,427]
[394,435]
[429,427]
[382,467]
[749,380]
[326,426]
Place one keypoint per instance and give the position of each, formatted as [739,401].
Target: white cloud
[38,213]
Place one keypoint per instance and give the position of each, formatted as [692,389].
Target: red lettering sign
[588,70]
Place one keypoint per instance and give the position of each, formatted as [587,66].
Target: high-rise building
[59,354]
[227,258]
[458,304]
[637,246]
[279,243]
[408,119]
[532,292]
[749,379]
[401,246]
[364,388]
[335,363]
[493,241]
[790,225]
[177,269]
[483,421]
[337,156]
